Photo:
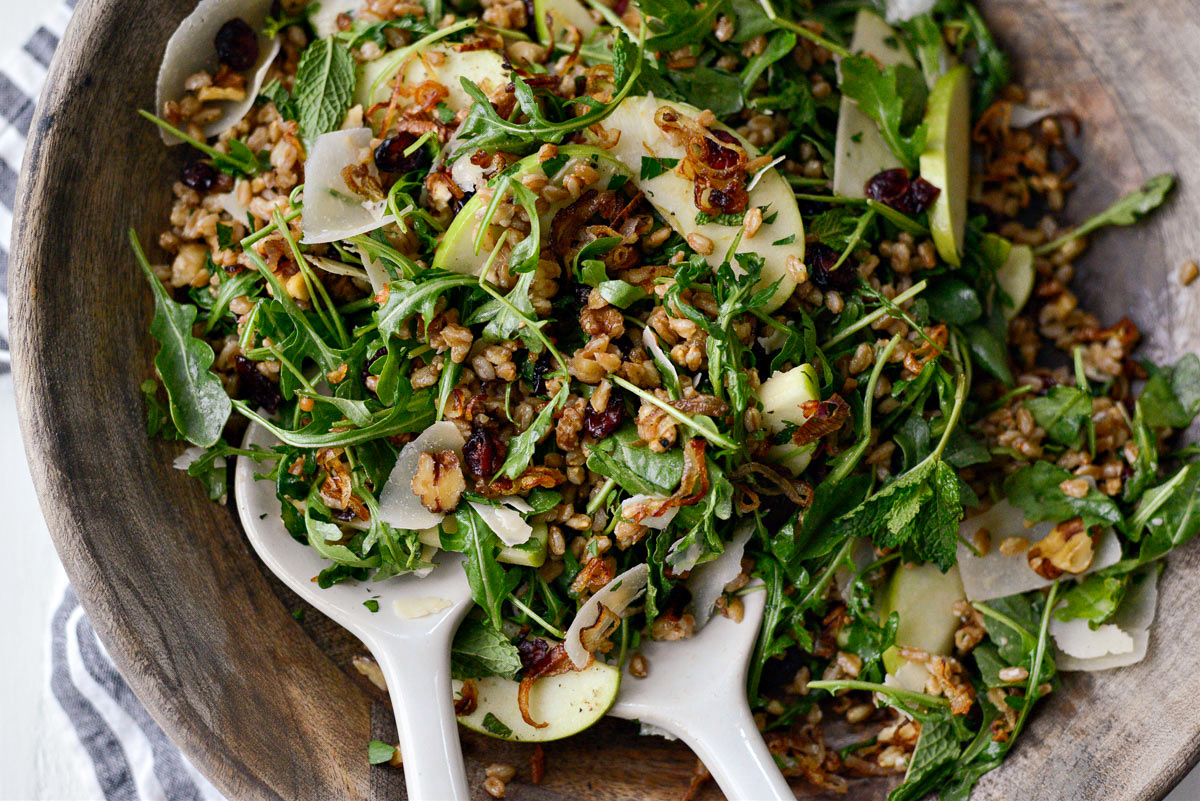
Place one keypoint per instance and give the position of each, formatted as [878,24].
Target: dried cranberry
[922,194]
[483,453]
[601,424]
[345,515]
[200,176]
[533,652]
[457,203]
[896,189]
[582,293]
[255,386]
[820,259]
[540,368]
[237,45]
[389,156]
[811,208]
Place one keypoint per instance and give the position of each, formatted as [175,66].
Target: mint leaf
[274,92]
[197,399]
[937,749]
[496,726]
[894,98]
[324,87]
[480,650]
[1035,491]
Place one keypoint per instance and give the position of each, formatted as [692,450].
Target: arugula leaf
[953,301]
[1094,599]
[1010,626]
[779,45]
[932,759]
[987,340]
[232,286]
[199,405]
[496,726]
[379,752]
[239,161]
[717,90]
[406,298]
[1126,211]
[479,650]
[1063,411]
[1169,514]
[989,63]
[158,419]
[324,87]
[490,585]
[1035,491]
[894,98]
[521,447]
[1145,467]
[679,23]
[1172,394]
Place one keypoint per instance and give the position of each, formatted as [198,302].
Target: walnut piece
[1066,549]
[439,481]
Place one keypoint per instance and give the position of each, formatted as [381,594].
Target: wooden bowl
[267,706]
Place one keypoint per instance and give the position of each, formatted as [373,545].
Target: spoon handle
[732,749]
[418,681]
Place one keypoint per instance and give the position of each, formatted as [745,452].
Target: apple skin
[923,597]
[946,161]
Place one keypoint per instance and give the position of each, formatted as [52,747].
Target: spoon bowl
[696,690]
[408,629]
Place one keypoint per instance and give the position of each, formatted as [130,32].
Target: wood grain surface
[268,707]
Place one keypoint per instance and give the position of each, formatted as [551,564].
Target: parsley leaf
[379,752]
[496,726]
[653,167]
[1126,211]
[324,87]
[894,98]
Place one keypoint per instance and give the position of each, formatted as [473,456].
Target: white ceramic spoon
[696,690]
[414,653]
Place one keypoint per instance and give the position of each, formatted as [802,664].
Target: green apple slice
[923,597]
[946,160]
[568,703]
[559,14]
[484,68]
[456,251]
[860,151]
[1015,275]
[782,395]
[672,195]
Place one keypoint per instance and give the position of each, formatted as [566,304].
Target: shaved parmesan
[190,50]
[398,506]
[1132,621]
[508,524]
[423,606]
[337,267]
[682,559]
[708,581]
[1022,116]
[616,595]
[659,521]
[911,676]
[324,19]
[995,575]
[232,206]
[331,210]
[904,10]
[650,340]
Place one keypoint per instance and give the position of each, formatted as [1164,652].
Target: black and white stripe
[22,74]
[132,757]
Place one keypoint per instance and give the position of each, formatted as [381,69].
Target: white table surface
[37,760]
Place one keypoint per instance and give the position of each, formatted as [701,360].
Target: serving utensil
[696,690]
[412,650]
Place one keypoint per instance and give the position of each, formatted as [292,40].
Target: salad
[643,306]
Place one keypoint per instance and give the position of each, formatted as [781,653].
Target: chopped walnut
[439,481]
[1066,549]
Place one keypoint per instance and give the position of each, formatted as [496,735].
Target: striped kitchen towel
[130,756]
